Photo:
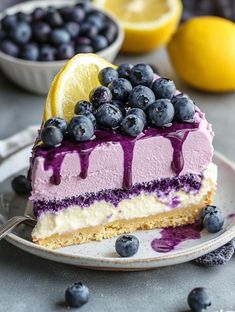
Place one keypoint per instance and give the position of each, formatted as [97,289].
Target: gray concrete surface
[28,283]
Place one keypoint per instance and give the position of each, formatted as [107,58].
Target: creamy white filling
[101,212]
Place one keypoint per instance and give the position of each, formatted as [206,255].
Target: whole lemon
[202,52]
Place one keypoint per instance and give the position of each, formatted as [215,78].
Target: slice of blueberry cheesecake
[135,155]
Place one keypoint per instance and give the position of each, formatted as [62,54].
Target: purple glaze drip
[176,133]
[171,237]
[128,149]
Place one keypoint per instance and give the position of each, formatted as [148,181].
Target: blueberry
[83,41]
[109,116]
[54,18]
[110,32]
[95,20]
[208,209]
[88,30]
[99,42]
[29,52]
[9,22]
[77,295]
[66,13]
[219,256]
[41,31]
[59,36]
[73,29]
[21,185]
[47,54]
[213,222]
[83,107]
[51,136]
[38,14]
[184,109]
[127,245]
[81,128]
[65,51]
[57,122]
[85,5]
[141,97]
[23,17]
[120,105]
[77,14]
[139,113]
[161,112]
[120,89]
[22,33]
[9,48]
[198,299]
[163,88]
[132,125]
[107,75]
[84,49]
[100,96]
[90,116]
[124,70]
[141,74]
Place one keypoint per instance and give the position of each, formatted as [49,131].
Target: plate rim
[191,252]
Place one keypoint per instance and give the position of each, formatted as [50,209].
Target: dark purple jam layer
[161,187]
[176,133]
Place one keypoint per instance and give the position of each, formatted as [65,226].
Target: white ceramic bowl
[37,76]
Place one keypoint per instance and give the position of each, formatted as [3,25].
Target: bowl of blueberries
[38,37]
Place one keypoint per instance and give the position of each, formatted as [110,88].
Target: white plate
[101,255]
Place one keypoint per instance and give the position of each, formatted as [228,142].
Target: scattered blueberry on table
[21,185]
[127,245]
[77,295]
[49,34]
[126,102]
[199,299]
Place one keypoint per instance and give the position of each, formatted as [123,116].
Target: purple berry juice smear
[172,237]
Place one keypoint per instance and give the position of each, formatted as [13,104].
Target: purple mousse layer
[161,187]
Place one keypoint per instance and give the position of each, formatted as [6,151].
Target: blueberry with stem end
[57,122]
[109,116]
[77,295]
[132,125]
[141,97]
[81,128]
[213,222]
[161,113]
[120,89]
[127,245]
[141,74]
[138,112]
[22,33]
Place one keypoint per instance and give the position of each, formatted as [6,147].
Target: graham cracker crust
[173,218]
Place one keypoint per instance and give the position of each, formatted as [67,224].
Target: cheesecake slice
[115,183]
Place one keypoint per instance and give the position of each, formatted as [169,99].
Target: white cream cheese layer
[101,212]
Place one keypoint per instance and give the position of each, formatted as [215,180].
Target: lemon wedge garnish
[73,83]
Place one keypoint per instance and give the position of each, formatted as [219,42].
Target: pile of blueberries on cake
[49,34]
[128,100]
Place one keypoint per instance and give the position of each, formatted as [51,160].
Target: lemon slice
[73,83]
[148,24]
